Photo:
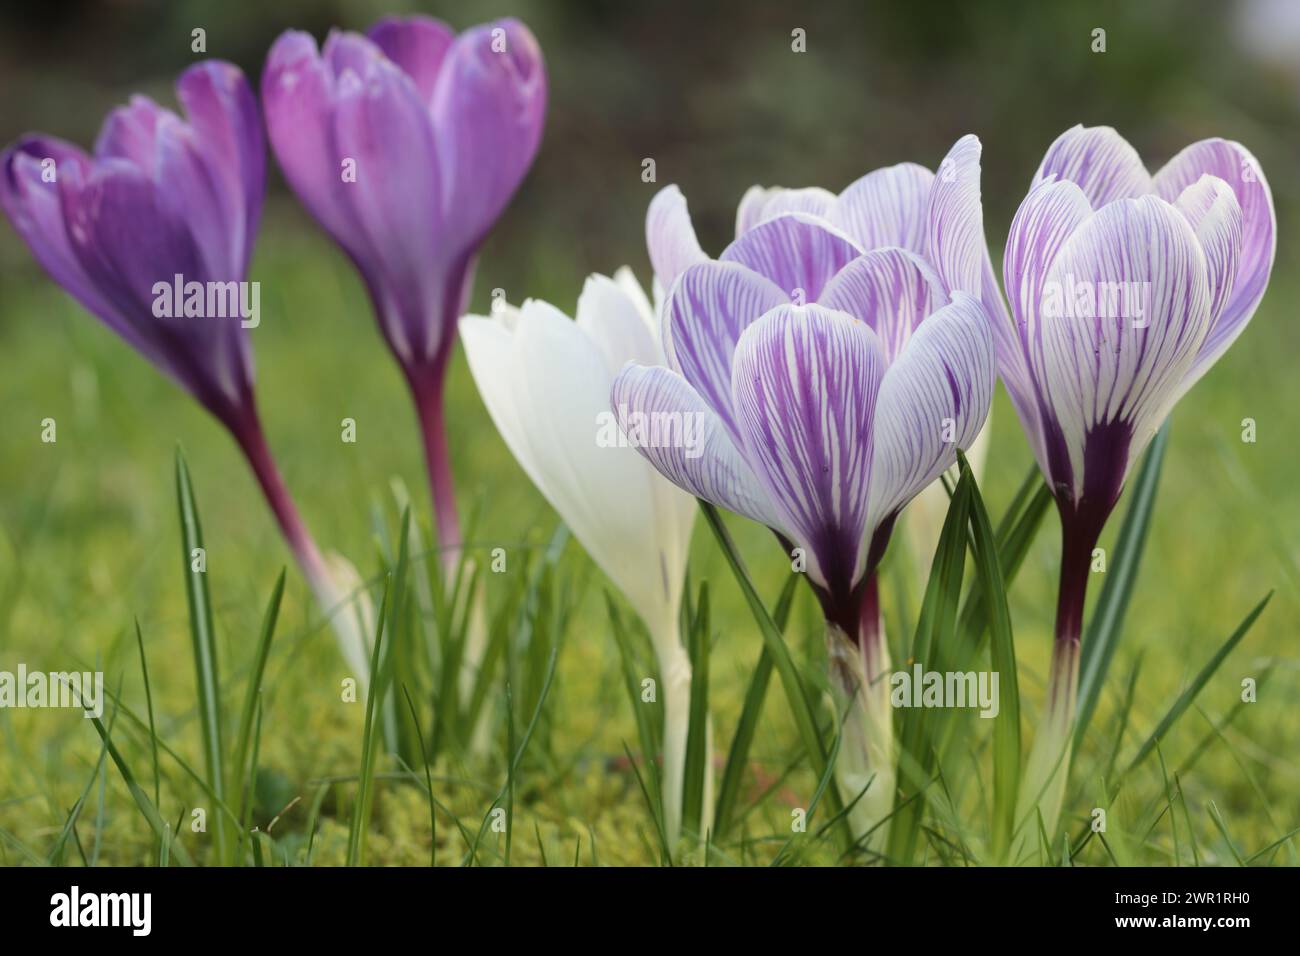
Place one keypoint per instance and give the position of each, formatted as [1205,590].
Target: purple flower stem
[430,409]
[246,428]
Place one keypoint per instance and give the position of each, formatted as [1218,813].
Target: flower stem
[675,672]
[335,603]
[429,406]
[1042,788]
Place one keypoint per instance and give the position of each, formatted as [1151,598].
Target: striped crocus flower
[406,145]
[1125,288]
[165,203]
[833,363]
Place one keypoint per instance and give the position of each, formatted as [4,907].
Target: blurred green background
[88,526]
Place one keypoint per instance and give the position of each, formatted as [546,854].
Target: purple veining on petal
[711,304]
[804,385]
[890,289]
[798,252]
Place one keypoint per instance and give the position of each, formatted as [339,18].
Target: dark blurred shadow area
[719,99]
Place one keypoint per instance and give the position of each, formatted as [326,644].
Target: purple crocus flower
[833,360]
[406,146]
[161,202]
[1125,288]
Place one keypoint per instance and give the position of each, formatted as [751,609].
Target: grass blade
[697,732]
[251,695]
[203,638]
[796,694]
[1006,726]
[738,756]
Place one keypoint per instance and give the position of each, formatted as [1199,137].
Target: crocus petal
[1235,165]
[298,98]
[381,125]
[190,194]
[35,208]
[1099,161]
[1107,382]
[760,204]
[1215,217]
[488,107]
[891,289]
[614,322]
[711,304]
[711,467]
[128,132]
[804,384]
[798,252]
[670,236]
[886,207]
[933,400]
[1049,215]
[626,280]
[220,106]
[417,44]
[954,220]
[546,386]
[127,239]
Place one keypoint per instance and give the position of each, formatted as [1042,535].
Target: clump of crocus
[165,202]
[406,145]
[835,356]
[546,381]
[1125,288]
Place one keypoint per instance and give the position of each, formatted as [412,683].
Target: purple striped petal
[418,44]
[1108,380]
[760,204]
[489,107]
[711,304]
[886,207]
[713,469]
[670,237]
[933,400]
[954,220]
[804,384]
[798,252]
[1099,161]
[892,290]
[1234,164]
[1215,217]
[1049,215]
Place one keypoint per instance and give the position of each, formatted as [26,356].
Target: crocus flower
[406,146]
[1125,288]
[835,359]
[166,204]
[546,382]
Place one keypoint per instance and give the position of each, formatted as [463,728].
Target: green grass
[89,537]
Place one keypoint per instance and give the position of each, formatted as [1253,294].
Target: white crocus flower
[546,383]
